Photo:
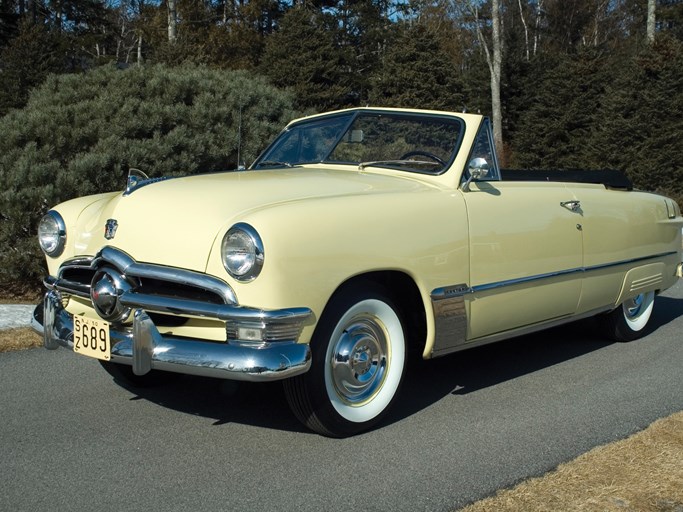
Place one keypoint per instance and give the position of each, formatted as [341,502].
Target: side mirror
[478,168]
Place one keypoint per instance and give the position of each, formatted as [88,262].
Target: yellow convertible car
[356,238]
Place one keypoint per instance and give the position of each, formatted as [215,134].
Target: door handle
[574,205]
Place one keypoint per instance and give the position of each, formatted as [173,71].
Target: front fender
[315,245]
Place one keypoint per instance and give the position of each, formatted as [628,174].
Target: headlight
[52,234]
[242,252]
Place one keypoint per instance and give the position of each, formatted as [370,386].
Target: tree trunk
[140,50]
[526,30]
[496,65]
[172,21]
[651,7]
[537,32]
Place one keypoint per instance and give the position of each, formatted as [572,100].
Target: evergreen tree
[28,58]
[305,56]
[641,121]
[556,127]
[417,73]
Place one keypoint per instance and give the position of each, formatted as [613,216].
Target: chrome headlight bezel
[52,234]
[242,252]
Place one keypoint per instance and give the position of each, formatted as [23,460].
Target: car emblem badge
[110,229]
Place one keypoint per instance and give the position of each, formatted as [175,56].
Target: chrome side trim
[549,275]
[450,316]
[450,313]
[521,331]
[143,347]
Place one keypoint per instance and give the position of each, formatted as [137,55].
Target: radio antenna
[240,167]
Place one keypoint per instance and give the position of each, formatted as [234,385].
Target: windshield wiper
[363,165]
[274,163]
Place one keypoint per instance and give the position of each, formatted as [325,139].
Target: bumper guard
[144,348]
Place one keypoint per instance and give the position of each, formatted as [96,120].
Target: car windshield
[414,142]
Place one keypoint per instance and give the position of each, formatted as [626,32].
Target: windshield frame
[353,116]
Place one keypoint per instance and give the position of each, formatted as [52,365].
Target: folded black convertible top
[611,178]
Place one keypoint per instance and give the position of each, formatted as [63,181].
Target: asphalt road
[72,439]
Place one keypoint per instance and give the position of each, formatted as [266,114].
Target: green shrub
[79,134]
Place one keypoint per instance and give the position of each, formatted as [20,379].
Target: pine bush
[80,134]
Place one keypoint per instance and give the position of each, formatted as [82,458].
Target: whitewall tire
[359,351]
[629,321]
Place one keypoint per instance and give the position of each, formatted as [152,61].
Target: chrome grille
[75,276]
[172,296]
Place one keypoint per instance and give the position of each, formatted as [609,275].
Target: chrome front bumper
[144,348]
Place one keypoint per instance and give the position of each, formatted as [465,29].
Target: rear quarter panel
[620,226]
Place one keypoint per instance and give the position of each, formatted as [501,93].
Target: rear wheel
[124,374]
[628,321]
[358,363]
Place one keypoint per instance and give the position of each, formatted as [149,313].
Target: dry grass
[19,339]
[643,473]
[24,297]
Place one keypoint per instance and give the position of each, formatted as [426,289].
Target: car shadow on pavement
[427,382]
[471,370]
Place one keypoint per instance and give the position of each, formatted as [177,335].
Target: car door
[525,250]
[525,255]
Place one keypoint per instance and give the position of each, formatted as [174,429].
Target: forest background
[91,88]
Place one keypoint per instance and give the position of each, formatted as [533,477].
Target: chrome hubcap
[359,360]
[633,306]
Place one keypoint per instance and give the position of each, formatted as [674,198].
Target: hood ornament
[110,229]
[138,179]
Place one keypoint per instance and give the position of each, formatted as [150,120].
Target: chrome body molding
[450,317]
[144,348]
[538,277]
[521,331]
[450,313]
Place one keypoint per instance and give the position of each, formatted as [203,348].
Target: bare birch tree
[494,59]
[172,21]
[651,20]
[526,30]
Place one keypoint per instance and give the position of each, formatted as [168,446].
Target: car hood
[177,221]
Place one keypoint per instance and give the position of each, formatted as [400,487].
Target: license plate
[91,338]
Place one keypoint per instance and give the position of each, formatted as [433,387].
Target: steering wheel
[423,153]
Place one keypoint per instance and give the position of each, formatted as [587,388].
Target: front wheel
[358,363]
[628,321]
